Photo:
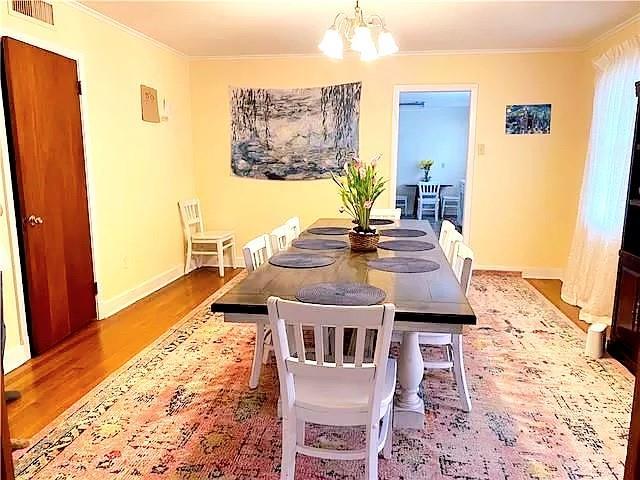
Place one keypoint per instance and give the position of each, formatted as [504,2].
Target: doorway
[433,152]
[41,98]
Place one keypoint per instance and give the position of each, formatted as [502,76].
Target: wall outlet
[481,149]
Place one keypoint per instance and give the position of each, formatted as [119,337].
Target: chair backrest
[452,238]
[446,228]
[290,318]
[428,189]
[293,224]
[191,216]
[462,264]
[257,252]
[280,238]
[386,213]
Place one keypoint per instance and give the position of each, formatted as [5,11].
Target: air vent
[36,9]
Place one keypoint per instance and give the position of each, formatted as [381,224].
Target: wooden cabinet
[624,343]
[625,332]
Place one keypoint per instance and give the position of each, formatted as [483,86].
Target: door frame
[472,88]
[10,206]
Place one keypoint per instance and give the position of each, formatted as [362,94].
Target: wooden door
[42,107]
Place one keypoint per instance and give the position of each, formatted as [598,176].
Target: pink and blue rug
[182,408]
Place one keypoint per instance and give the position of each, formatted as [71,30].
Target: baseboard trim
[527,272]
[14,357]
[113,305]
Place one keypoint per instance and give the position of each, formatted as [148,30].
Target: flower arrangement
[426,165]
[359,189]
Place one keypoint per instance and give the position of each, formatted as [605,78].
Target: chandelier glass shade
[361,33]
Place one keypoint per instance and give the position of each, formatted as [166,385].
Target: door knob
[33,220]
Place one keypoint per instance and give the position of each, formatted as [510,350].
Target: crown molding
[120,26]
[612,31]
[422,53]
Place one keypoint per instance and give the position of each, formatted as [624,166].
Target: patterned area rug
[182,408]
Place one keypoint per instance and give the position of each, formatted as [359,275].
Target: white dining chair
[428,199]
[450,201]
[386,213]
[446,228]
[338,389]
[201,242]
[462,265]
[294,228]
[281,238]
[256,253]
[402,202]
[453,237]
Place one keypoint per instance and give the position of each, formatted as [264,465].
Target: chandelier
[359,31]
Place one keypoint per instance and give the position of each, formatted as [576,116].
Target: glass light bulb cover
[369,54]
[362,40]
[331,44]
[386,44]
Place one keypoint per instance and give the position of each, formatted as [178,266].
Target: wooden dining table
[430,302]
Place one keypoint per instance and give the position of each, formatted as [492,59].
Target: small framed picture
[528,119]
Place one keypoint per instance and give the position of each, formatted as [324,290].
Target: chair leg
[388,443]
[300,432]
[220,252]
[288,467]
[232,248]
[257,355]
[458,371]
[419,211]
[371,466]
[187,260]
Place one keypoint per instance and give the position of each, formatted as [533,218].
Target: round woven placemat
[405,245]
[328,230]
[301,260]
[343,294]
[403,265]
[319,244]
[402,232]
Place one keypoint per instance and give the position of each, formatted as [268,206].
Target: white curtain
[593,259]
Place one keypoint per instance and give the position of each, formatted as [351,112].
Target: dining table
[428,302]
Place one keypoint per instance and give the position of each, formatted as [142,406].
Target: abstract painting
[528,119]
[294,134]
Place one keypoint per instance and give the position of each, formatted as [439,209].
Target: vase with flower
[425,166]
[359,188]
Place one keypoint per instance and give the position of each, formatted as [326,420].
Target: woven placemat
[319,244]
[343,294]
[402,232]
[301,260]
[328,230]
[405,245]
[403,265]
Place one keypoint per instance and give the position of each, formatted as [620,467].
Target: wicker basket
[363,242]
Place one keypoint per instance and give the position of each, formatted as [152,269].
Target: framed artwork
[294,134]
[149,103]
[528,119]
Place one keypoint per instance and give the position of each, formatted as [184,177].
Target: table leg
[409,407]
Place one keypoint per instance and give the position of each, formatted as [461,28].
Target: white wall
[436,133]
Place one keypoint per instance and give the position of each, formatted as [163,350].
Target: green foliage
[425,164]
[359,189]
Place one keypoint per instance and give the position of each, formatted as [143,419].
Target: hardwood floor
[55,380]
[551,290]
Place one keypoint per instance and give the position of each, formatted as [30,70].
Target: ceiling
[274,27]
